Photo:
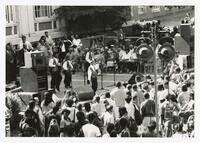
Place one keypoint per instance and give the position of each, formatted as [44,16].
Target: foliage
[91,18]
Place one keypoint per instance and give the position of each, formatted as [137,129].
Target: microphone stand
[114,71]
[101,76]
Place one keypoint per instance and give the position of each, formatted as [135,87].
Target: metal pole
[155,76]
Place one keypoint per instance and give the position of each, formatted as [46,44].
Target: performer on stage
[89,57]
[54,66]
[93,71]
[67,67]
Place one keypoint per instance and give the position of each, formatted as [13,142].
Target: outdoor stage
[78,80]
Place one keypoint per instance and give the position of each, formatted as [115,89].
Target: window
[45,25]
[141,10]
[8,31]
[155,9]
[9,14]
[43,11]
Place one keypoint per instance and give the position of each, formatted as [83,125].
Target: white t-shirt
[108,118]
[130,109]
[90,130]
[118,95]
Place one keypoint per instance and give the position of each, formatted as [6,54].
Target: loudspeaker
[34,79]
[84,93]
[185,31]
[35,59]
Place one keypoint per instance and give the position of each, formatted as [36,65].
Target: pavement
[105,82]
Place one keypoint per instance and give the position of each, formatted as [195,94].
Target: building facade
[31,21]
[168,15]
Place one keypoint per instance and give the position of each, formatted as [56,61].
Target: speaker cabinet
[34,79]
[35,59]
[185,30]
[84,93]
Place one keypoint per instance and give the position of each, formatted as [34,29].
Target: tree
[93,18]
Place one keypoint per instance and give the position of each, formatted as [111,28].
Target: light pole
[153,31]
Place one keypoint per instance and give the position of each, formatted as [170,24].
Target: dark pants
[86,66]
[68,79]
[94,83]
[55,80]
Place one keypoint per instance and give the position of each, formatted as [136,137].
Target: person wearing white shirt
[108,117]
[67,67]
[23,46]
[90,130]
[55,72]
[77,42]
[129,106]
[98,106]
[93,71]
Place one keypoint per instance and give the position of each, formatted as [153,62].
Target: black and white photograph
[105,71]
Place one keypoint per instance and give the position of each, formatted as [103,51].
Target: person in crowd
[67,69]
[147,111]
[47,104]
[167,108]
[93,72]
[54,129]
[112,103]
[190,126]
[42,46]
[56,77]
[64,123]
[179,131]
[89,129]
[98,106]
[87,107]
[23,46]
[125,132]
[137,95]
[10,63]
[183,98]
[151,130]
[69,106]
[110,128]
[76,42]
[32,118]
[78,125]
[48,39]
[108,116]
[118,95]
[132,126]
[129,105]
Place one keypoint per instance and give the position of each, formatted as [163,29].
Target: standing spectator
[118,95]
[23,46]
[108,116]
[151,130]
[90,130]
[54,66]
[10,63]
[183,98]
[76,42]
[110,128]
[78,125]
[53,130]
[42,46]
[98,106]
[138,95]
[129,106]
[64,123]
[67,67]
[47,104]
[147,111]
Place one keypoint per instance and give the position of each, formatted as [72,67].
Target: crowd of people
[125,111]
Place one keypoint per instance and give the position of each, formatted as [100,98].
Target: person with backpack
[147,111]
[132,126]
